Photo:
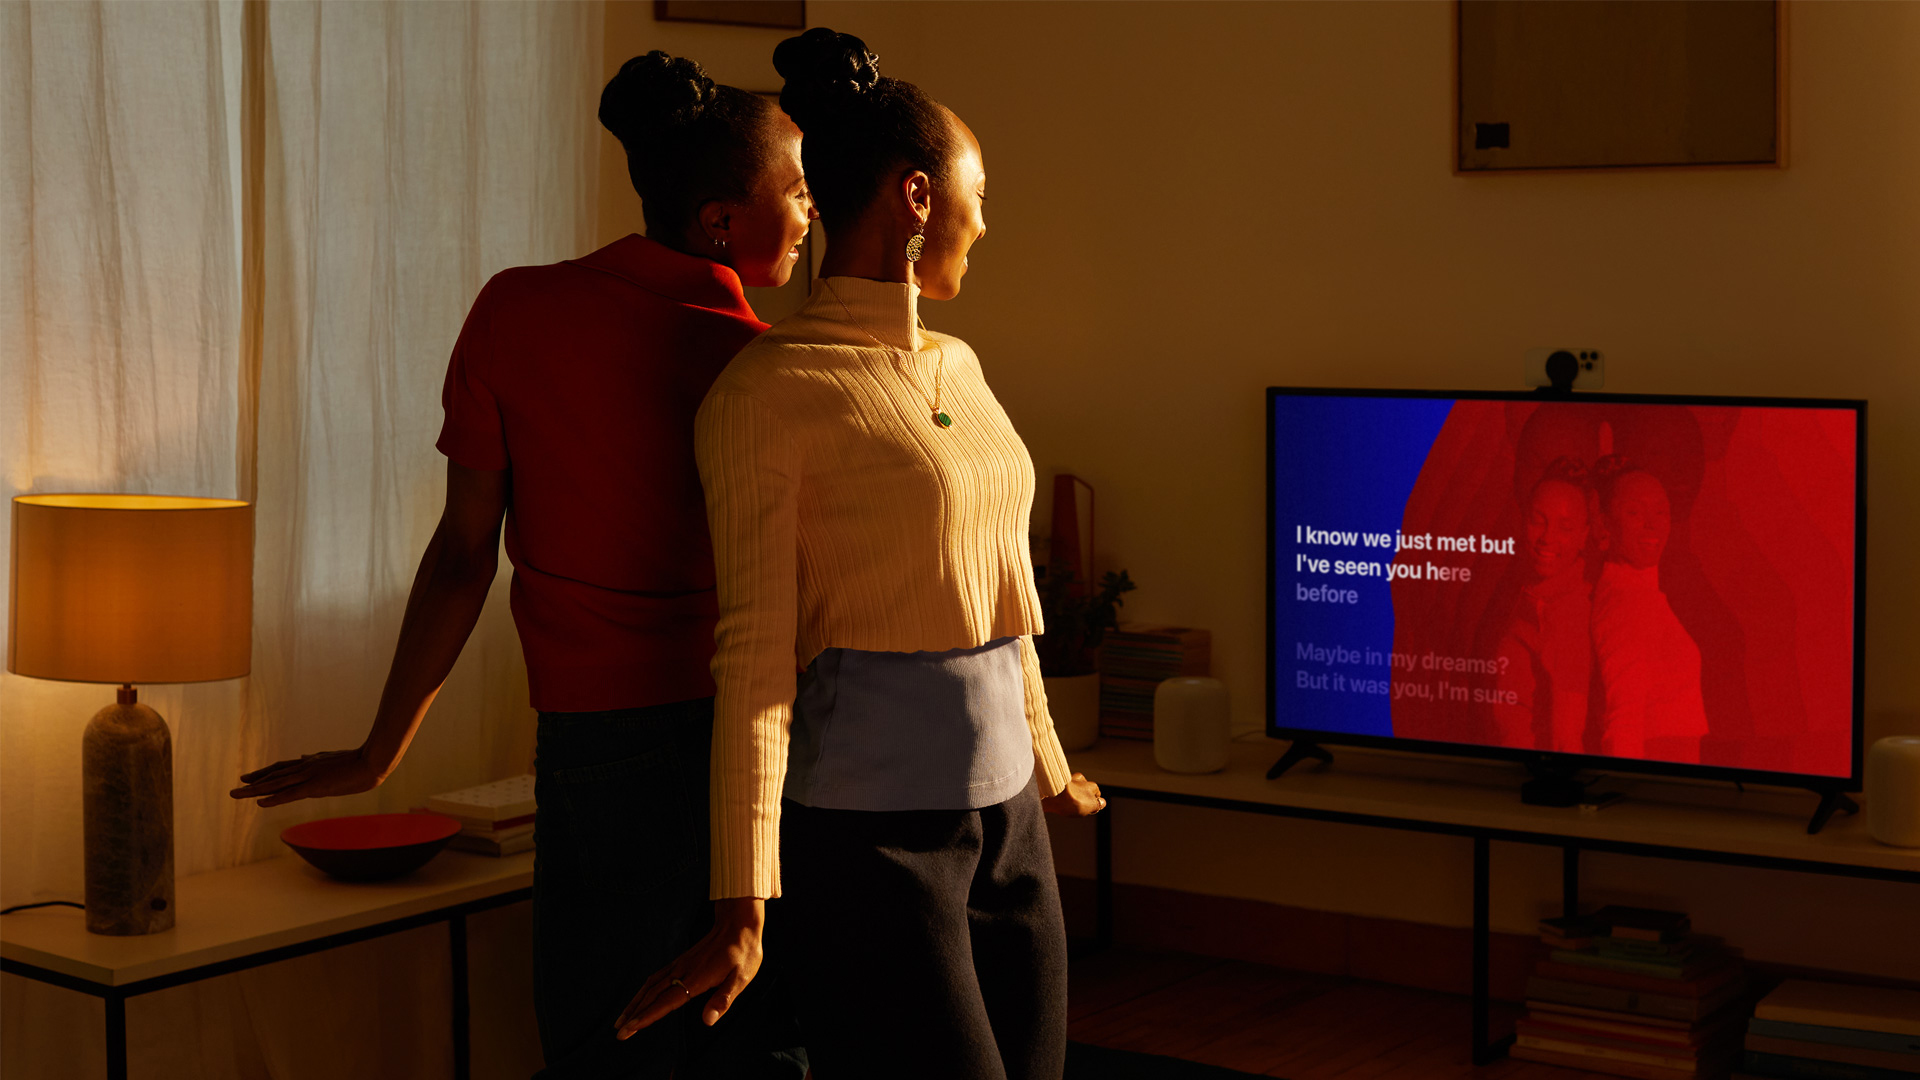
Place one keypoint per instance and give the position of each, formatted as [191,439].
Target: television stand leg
[1301,750]
[1830,801]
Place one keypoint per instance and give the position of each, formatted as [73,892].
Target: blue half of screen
[1345,464]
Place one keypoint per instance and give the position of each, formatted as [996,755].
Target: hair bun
[820,67]
[652,95]
[1568,469]
[1612,467]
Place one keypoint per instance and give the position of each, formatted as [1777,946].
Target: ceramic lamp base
[127,779]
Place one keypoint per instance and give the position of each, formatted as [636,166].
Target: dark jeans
[926,943]
[620,890]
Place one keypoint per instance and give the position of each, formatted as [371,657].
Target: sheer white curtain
[411,151]
[236,245]
[119,355]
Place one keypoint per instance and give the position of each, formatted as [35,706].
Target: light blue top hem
[911,731]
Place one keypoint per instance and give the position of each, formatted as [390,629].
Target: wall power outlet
[1593,367]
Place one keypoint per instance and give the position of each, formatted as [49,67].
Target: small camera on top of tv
[1588,367]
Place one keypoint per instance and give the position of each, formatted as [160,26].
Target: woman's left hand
[724,961]
[1080,798]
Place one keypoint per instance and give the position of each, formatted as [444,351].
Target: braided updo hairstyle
[1568,470]
[861,127]
[1573,472]
[1607,474]
[688,140]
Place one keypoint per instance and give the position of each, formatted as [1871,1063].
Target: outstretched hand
[310,776]
[724,962]
[1080,798]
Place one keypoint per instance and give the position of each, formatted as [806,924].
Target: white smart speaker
[1893,790]
[1190,725]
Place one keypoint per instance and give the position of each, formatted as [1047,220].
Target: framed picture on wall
[784,14]
[1617,84]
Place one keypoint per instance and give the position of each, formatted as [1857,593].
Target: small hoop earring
[717,242]
[917,243]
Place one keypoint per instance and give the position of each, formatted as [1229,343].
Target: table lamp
[130,589]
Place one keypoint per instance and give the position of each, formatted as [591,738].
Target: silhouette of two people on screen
[1596,660]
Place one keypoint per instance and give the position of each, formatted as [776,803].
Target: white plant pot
[1893,790]
[1074,701]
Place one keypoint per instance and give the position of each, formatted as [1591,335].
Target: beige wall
[1193,201]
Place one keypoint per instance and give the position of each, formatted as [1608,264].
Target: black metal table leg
[462,1046]
[1485,1048]
[116,1036]
[1481,937]
[1103,877]
[1570,880]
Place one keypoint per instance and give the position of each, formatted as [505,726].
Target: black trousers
[620,890]
[925,943]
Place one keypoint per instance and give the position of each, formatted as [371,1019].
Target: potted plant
[1077,621]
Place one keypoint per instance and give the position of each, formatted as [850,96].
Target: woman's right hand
[1080,798]
[310,776]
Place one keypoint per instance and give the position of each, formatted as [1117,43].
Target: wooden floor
[1275,1022]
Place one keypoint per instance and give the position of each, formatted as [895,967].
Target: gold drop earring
[917,243]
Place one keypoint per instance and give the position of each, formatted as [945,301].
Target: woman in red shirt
[570,400]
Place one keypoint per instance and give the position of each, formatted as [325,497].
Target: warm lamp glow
[131,588]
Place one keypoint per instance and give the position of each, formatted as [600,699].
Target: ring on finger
[681,985]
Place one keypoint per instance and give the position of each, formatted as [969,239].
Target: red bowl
[371,847]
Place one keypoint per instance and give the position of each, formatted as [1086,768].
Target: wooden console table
[1660,819]
[275,909]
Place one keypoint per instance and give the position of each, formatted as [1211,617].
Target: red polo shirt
[583,379]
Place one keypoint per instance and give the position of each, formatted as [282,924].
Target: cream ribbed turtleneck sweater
[843,516]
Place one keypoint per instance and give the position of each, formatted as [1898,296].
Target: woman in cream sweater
[868,500]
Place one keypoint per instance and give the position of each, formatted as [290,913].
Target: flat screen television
[1668,585]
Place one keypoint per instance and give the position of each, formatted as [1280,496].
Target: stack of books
[1134,660]
[1633,992]
[1831,1031]
[495,819]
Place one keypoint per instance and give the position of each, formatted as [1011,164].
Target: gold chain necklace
[940,356]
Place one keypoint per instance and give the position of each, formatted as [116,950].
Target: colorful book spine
[1134,661]
[1615,999]
[1692,969]
[1537,1029]
[1705,983]
[1153,653]
[1562,1026]
[1893,1042]
[1841,1005]
[1851,1055]
[1649,949]
[1799,1068]
[1642,1056]
[1555,1009]
[1634,1069]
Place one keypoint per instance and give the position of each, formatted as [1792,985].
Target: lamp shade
[131,588]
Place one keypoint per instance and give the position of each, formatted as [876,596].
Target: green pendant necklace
[940,358]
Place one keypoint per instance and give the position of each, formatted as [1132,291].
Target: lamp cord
[43,903]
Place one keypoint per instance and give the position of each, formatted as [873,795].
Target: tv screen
[1664,584]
